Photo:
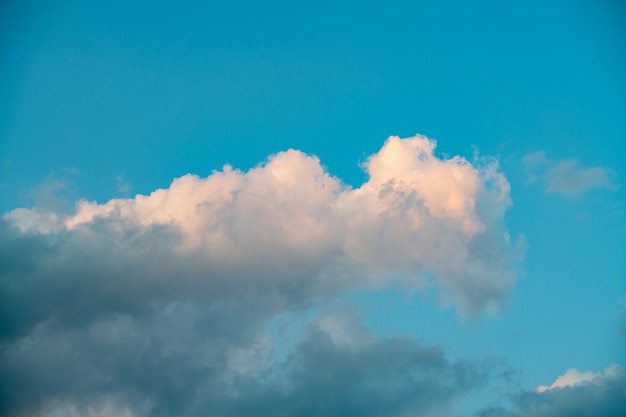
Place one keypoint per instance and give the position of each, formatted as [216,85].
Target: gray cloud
[604,395]
[171,363]
[567,176]
[79,276]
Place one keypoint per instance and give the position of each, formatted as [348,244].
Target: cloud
[385,377]
[575,393]
[51,194]
[124,187]
[416,215]
[571,377]
[567,176]
[159,304]
[169,364]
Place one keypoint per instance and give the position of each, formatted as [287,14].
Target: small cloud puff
[567,176]
[574,376]
[123,186]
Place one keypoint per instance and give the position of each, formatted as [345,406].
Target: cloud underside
[567,176]
[574,394]
[172,364]
[158,305]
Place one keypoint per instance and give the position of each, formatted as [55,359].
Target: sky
[312,208]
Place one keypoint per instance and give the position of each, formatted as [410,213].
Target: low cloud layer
[158,304]
[170,364]
[581,394]
[567,176]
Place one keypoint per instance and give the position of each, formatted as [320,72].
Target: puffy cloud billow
[138,306]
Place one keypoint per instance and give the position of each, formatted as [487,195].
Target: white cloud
[416,214]
[567,176]
[570,377]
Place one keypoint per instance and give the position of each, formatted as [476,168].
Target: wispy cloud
[567,176]
[53,194]
[124,186]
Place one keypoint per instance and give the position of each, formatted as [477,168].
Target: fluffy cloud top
[417,215]
[567,176]
[158,305]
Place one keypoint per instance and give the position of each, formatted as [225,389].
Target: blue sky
[111,101]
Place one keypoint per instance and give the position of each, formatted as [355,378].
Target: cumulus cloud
[416,214]
[567,176]
[161,301]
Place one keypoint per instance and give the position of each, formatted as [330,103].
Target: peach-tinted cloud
[416,215]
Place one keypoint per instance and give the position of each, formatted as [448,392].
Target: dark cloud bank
[603,396]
